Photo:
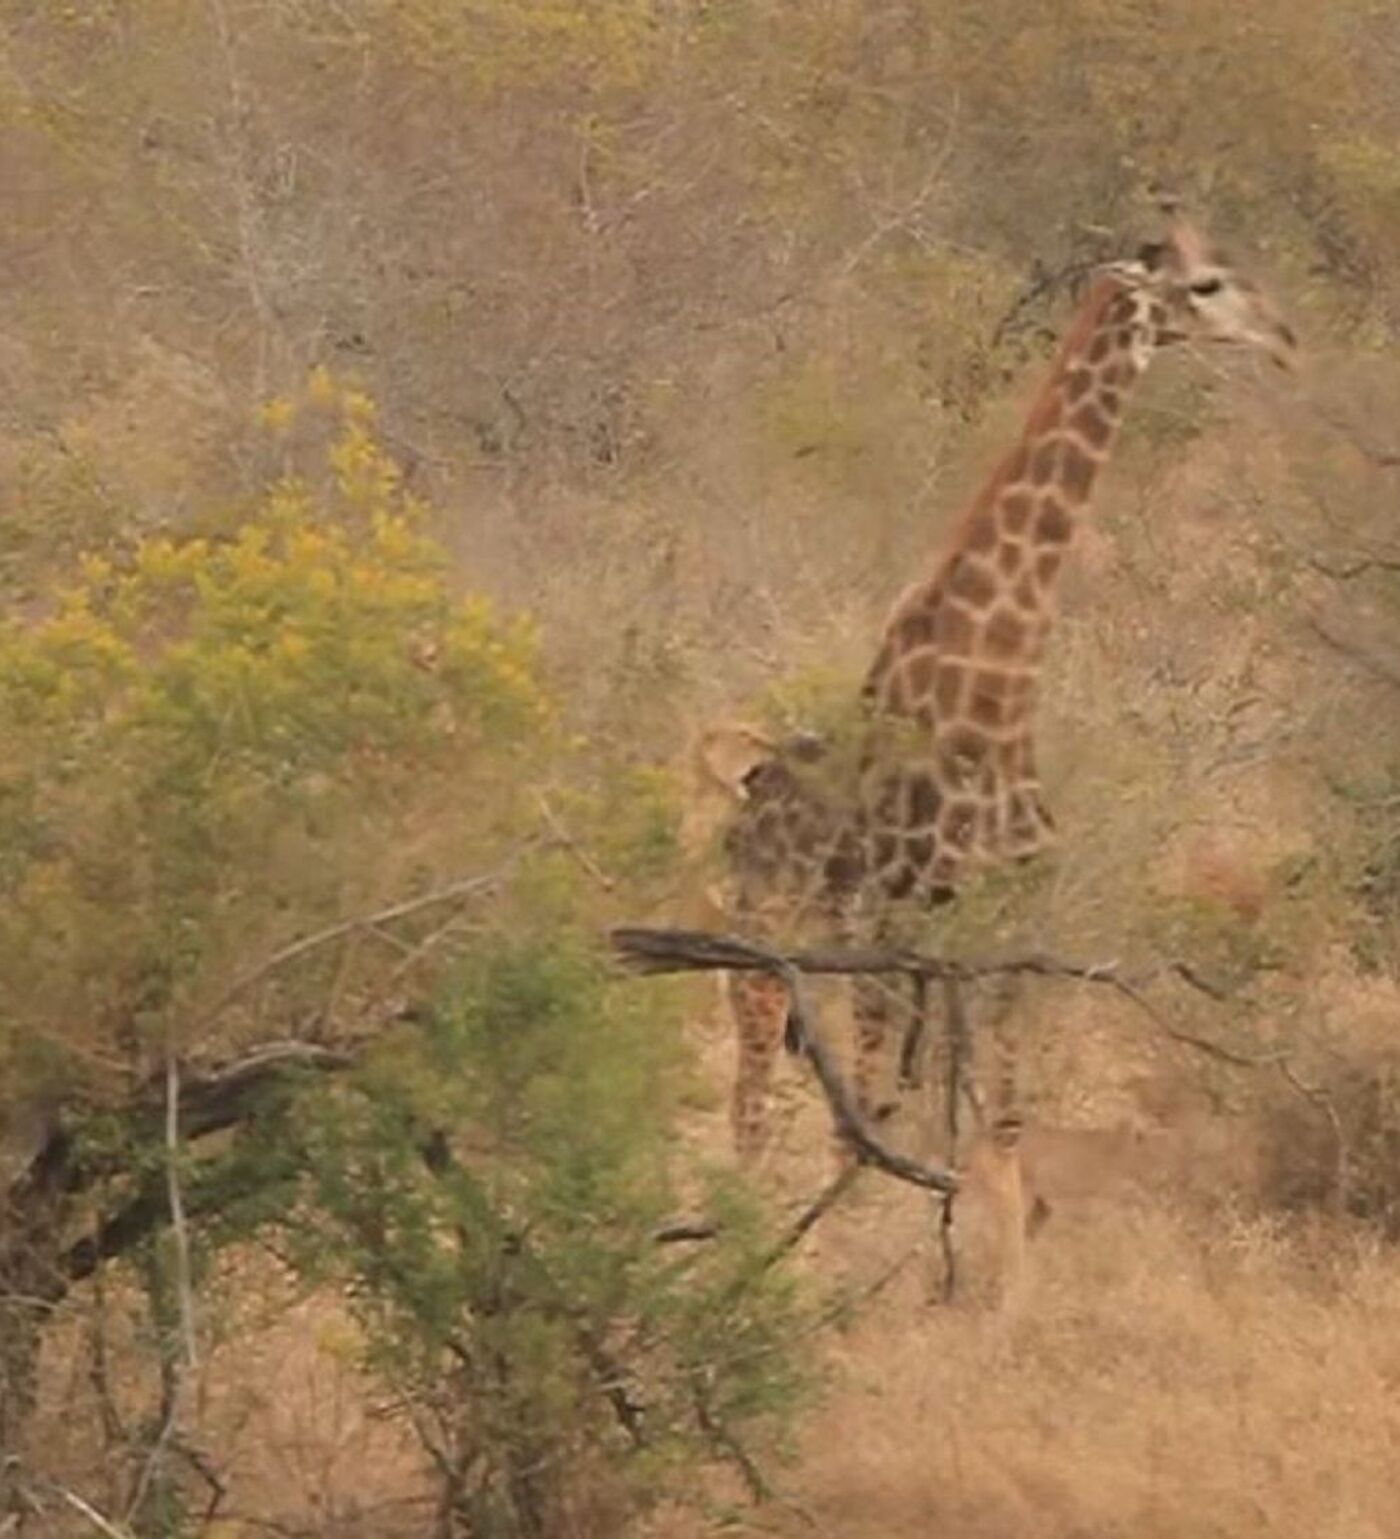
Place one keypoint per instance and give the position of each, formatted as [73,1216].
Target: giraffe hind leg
[759,1003]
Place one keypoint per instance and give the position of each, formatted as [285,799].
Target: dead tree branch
[660,951]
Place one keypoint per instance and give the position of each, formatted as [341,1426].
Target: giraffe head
[1199,296]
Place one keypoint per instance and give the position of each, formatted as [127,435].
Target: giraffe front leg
[759,1003]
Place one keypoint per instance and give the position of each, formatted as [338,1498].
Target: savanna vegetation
[417,419]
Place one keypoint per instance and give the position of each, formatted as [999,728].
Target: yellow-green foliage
[220,731]
[504,43]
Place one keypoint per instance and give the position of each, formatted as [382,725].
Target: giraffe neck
[1032,506]
[992,592]
[1070,432]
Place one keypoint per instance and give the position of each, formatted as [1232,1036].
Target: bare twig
[571,846]
[1344,571]
[180,1229]
[1379,667]
[724,1440]
[103,1525]
[812,1214]
[1188,974]
[685,1231]
[453,892]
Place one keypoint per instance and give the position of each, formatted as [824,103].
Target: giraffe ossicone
[945,773]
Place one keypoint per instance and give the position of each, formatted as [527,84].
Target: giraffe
[945,774]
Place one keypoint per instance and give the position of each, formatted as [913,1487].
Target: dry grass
[1155,1379]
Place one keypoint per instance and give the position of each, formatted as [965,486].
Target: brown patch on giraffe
[915,630]
[1157,315]
[1047,568]
[1076,472]
[1025,595]
[1111,402]
[963,749]
[804,836]
[960,824]
[1011,557]
[981,533]
[1043,462]
[973,582]
[886,848]
[947,690]
[1015,511]
[919,850]
[1120,309]
[919,670]
[1078,384]
[1125,337]
[954,632]
[885,806]
[1093,428]
[987,706]
[923,800]
[900,884]
[1054,526]
[1005,634]
[894,698]
[1099,347]
[1047,418]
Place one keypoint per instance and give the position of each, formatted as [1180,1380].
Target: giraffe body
[945,773]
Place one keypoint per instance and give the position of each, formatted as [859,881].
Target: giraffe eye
[1207,286]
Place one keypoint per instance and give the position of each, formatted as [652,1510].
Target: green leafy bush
[489,1191]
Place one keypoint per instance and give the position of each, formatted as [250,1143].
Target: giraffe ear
[728,754]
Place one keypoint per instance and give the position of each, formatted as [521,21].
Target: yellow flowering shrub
[213,743]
